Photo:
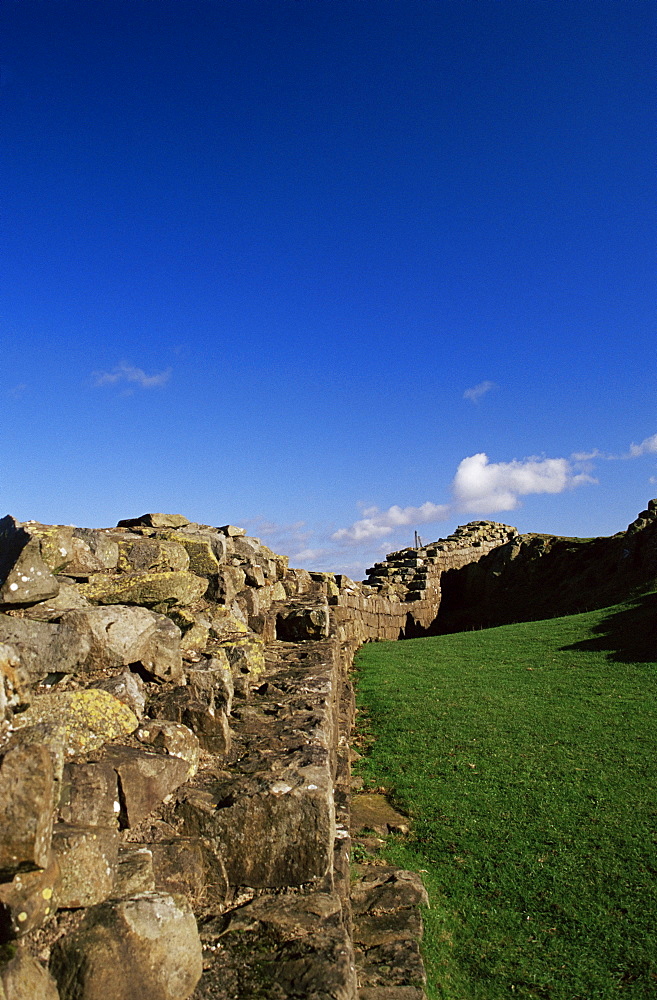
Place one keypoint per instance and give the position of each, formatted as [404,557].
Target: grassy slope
[526,756]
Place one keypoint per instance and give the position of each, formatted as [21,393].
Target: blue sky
[336,270]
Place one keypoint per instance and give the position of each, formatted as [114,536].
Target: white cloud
[484,487]
[647,447]
[377,524]
[130,374]
[477,391]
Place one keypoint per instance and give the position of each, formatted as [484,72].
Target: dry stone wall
[175,720]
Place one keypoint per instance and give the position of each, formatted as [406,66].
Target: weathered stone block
[134,873]
[89,795]
[26,794]
[174,587]
[23,978]
[272,833]
[146,946]
[303,623]
[128,688]
[177,739]
[145,780]
[117,636]
[89,719]
[87,857]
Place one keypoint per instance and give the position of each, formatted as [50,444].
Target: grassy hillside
[525,755]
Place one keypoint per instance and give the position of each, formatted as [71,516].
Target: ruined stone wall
[540,576]
[175,718]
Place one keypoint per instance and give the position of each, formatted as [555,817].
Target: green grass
[525,756]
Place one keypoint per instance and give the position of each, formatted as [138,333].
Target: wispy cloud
[647,447]
[477,391]
[377,524]
[484,487]
[132,375]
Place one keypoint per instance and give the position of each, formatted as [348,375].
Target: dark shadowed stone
[303,623]
[23,978]
[273,833]
[154,521]
[26,794]
[87,859]
[134,873]
[29,900]
[286,948]
[144,947]
[193,868]
[145,780]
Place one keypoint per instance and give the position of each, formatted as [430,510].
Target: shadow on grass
[629,635]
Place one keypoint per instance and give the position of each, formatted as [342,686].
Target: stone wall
[175,718]
[537,576]
[175,723]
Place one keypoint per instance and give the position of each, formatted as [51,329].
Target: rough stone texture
[87,858]
[303,623]
[15,691]
[29,900]
[128,688]
[23,978]
[134,872]
[26,793]
[24,576]
[89,794]
[145,780]
[146,946]
[87,719]
[118,636]
[176,739]
[167,587]
[280,947]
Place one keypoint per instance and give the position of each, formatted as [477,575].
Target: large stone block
[23,978]
[145,780]
[117,636]
[87,858]
[146,947]
[89,794]
[274,832]
[174,587]
[146,555]
[24,576]
[86,719]
[26,794]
